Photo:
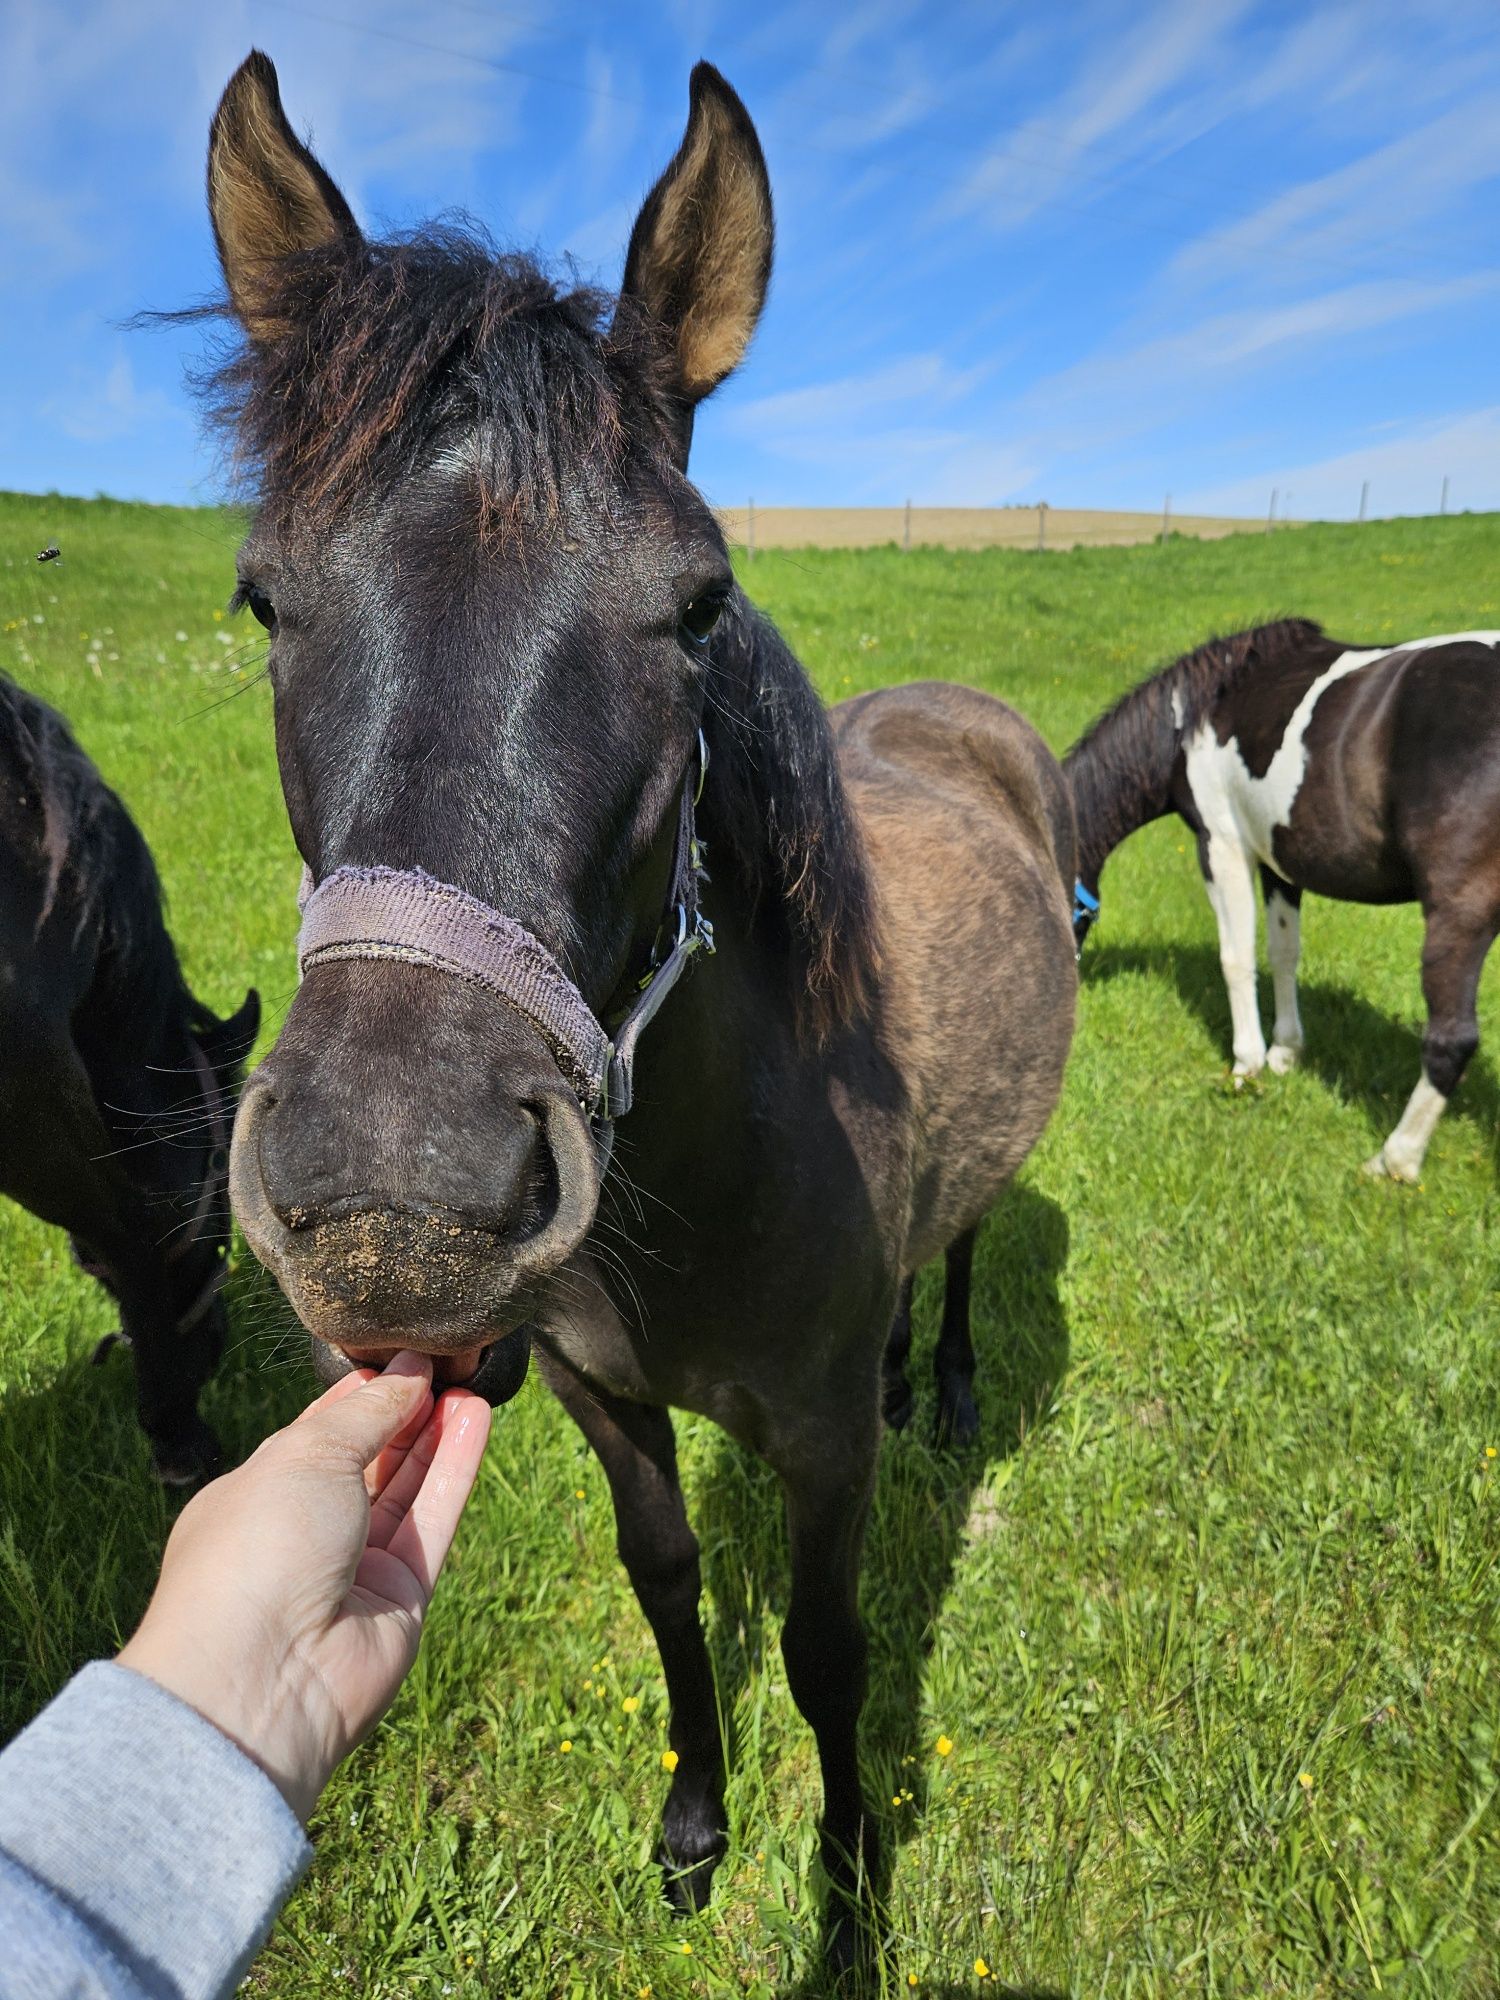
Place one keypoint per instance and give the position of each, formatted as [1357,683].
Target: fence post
[750,532]
[1166,517]
[1041,524]
[1443,503]
[1271,512]
[1364,498]
[906,531]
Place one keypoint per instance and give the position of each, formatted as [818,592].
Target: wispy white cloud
[1405,474]
[1392,189]
[100,409]
[1027,168]
[801,419]
[1129,389]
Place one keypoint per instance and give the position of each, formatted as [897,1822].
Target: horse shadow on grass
[926,1507]
[84,1520]
[1363,1056]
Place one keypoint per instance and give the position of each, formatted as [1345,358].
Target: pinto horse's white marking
[1241,815]
[1283,945]
[1402,1154]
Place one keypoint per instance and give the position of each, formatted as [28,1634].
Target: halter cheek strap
[1085,909]
[409,916]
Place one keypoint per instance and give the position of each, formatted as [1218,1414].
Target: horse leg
[1283,947]
[636,1446]
[823,1644]
[1230,881]
[1453,955]
[60,1165]
[897,1390]
[953,1363]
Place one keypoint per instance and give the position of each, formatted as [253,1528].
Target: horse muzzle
[418,1191]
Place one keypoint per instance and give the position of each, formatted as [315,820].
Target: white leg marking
[1402,1154]
[1231,890]
[1283,945]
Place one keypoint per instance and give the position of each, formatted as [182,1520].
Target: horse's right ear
[700,253]
[267,195]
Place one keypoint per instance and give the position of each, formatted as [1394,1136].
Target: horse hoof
[957,1420]
[899,1404]
[851,1958]
[1383,1168]
[688,1884]
[188,1457]
[693,1844]
[1282,1058]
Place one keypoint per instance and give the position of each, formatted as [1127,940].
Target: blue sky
[1091,254]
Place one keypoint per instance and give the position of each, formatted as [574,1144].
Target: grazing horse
[117,1087]
[519,696]
[1369,773]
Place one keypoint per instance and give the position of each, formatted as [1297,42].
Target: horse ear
[268,197]
[700,253]
[228,1043]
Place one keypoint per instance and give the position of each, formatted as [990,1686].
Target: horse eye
[700,617]
[259,605]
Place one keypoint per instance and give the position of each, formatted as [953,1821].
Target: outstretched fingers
[372,1416]
[415,1517]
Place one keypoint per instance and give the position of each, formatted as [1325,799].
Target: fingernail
[409,1362]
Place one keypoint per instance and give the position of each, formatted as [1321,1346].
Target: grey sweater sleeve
[141,1853]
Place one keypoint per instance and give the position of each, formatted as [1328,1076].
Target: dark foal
[117,1088]
[500,616]
[1371,774]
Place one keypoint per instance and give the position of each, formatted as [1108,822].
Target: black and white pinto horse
[1371,774]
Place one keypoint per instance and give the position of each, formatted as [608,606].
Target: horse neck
[1120,771]
[776,814]
[133,1027]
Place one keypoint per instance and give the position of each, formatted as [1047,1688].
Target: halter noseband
[408,915]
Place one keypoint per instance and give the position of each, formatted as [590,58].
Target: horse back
[968,825]
[1386,761]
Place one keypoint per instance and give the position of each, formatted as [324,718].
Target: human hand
[293,1589]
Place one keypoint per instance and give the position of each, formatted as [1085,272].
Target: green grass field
[1210,1621]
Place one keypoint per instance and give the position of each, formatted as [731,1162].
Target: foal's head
[491,594]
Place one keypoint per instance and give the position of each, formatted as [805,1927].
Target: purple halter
[407,915]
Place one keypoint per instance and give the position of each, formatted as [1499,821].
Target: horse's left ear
[228,1043]
[700,253]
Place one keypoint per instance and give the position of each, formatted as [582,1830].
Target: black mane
[1120,769]
[97,873]
[388,348]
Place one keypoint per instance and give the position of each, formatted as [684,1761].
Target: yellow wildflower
[577,1492]
[687,1949]
[911,1979]
[1304,1779]
[631,1703]
[669,1760]
[981,1970]
[944,1745]
[1489,1451]
[566,1745]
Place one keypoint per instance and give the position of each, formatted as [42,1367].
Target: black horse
[518,692]
[117,1087]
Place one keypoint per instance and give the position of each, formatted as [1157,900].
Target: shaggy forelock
[390,351]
